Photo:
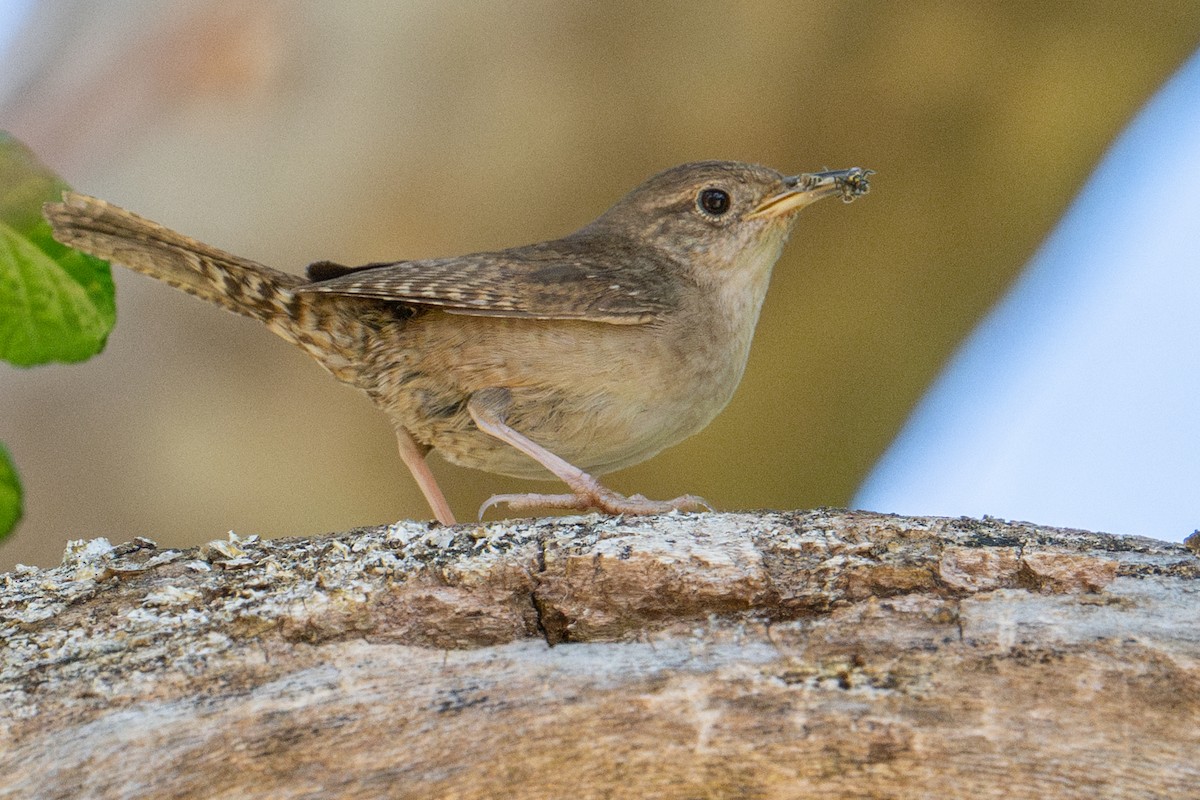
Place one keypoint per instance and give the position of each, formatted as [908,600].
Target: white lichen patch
[404,531]
[220,549]
[87,558]
[172,596]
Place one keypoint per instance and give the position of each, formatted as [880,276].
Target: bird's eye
[713,201]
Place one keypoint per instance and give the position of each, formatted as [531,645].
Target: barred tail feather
[114,234]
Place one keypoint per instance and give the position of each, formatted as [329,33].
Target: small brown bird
[566,358]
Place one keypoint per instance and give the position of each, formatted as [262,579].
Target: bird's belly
[596,433]
[600,403]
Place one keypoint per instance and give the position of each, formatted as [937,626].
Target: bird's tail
[114,234]
[314,323]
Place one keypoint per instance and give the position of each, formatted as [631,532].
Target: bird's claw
[597,498]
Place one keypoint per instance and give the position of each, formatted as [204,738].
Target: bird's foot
[589,495]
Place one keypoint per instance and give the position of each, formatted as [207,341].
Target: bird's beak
[808,187]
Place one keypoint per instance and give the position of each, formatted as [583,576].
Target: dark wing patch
[571,278]
[327,270]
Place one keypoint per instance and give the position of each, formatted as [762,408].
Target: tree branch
[815,654]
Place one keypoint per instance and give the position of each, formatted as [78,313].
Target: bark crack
[534,598]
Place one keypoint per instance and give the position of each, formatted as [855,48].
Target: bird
[568,358]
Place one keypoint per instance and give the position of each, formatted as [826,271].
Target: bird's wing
[565,279]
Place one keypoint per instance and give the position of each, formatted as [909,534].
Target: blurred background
[290,131]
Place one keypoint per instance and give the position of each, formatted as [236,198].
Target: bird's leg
[487,410]
[413,456]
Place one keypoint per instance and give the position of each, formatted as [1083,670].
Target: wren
[562,359]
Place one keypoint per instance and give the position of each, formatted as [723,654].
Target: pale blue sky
[11,13]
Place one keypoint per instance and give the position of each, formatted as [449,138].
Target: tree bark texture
[823,654]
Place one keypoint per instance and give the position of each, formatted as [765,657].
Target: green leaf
[45,314]
[10,495]
[56,304]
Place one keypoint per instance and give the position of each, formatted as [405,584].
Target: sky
[11,14]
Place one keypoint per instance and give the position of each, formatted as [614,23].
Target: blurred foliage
[10,494]
[55,304]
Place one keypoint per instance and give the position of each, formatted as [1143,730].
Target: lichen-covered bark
[822,654]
